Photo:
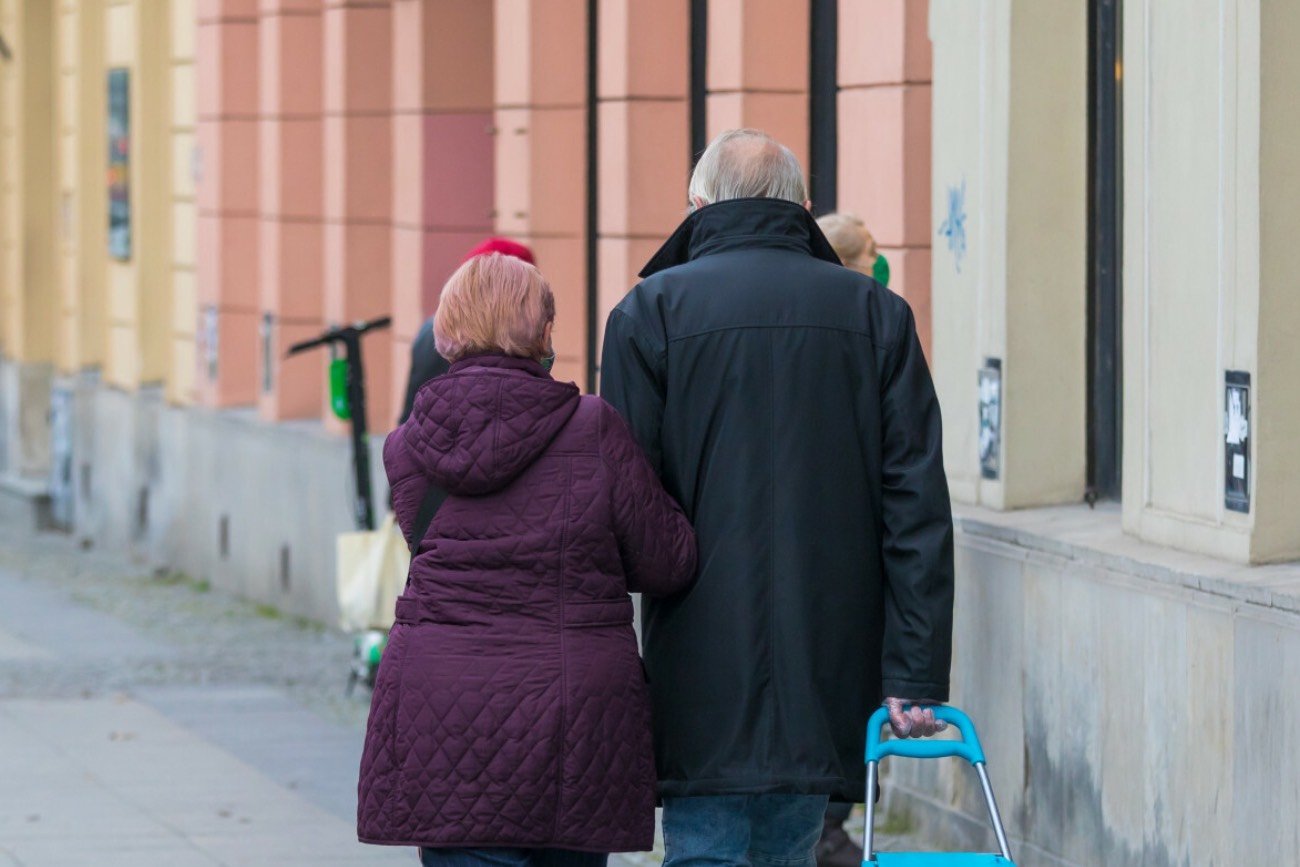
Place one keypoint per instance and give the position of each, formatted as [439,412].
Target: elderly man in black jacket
[786,404]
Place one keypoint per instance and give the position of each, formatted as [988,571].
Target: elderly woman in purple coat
[510,723]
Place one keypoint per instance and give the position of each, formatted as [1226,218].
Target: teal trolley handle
[967,748]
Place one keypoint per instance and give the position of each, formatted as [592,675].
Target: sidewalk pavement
[123,745]
[146,720]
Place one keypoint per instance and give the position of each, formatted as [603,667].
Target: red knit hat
[505,247]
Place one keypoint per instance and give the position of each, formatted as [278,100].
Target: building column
[181,352]
[358,122]
[228,223]
[29,292]
[884,137]
[644,138]
[1009,225]
[1277,518]
[1210,217]
[758,69]
[443,149]
[83,217]
[541,171]
[291,201]
[137,40]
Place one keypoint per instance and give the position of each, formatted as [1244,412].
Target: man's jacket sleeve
[917,527]
[631,379]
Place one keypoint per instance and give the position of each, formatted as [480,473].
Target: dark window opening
[1105,232]
[823,118]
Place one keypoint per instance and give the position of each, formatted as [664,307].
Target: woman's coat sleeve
[655,541]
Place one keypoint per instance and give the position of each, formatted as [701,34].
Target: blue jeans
[742,830]
[506,857]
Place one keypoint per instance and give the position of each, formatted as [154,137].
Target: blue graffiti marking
[954,227]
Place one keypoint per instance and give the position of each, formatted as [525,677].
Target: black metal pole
[365,504]
[699,94]
[593,200]
[823,98]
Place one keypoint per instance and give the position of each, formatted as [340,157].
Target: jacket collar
[500,362]
[740,224]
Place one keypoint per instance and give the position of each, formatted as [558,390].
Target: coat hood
[483,423]
[739,223]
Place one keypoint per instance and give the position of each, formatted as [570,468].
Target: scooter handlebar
[335,335]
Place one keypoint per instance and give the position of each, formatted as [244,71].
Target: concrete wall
[252,506]
[1135,703]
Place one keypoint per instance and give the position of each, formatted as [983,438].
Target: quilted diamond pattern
[511,706]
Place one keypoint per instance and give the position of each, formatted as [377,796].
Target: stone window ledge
[1095,537]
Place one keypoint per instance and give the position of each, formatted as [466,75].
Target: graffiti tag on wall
[953,228]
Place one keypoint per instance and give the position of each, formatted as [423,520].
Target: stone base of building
[1137,704]
[25,503]
[251,506]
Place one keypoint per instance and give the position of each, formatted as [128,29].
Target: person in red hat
[426,363]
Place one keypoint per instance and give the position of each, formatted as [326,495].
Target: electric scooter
[348,403]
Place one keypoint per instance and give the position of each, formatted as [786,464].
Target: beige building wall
[1277,455]
[10,233]
[137,37]
[28,287]
[82,198]
[184,313]
[1210,136]
[1009,227]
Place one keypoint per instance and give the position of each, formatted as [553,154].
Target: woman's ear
[546,336]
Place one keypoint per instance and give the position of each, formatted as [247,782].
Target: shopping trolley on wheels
[967,748]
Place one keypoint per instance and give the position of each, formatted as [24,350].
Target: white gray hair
[747,163]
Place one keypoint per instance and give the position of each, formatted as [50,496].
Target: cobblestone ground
[148,719]
[177,631]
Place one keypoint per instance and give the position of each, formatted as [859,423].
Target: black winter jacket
[786,404]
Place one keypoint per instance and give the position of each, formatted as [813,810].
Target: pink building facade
[352,151]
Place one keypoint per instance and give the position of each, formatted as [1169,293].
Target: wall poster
[990,391]
[1236,441]
[119,162]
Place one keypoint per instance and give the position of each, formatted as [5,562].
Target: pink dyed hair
[494,304]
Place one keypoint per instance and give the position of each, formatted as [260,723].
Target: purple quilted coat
[511,707]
